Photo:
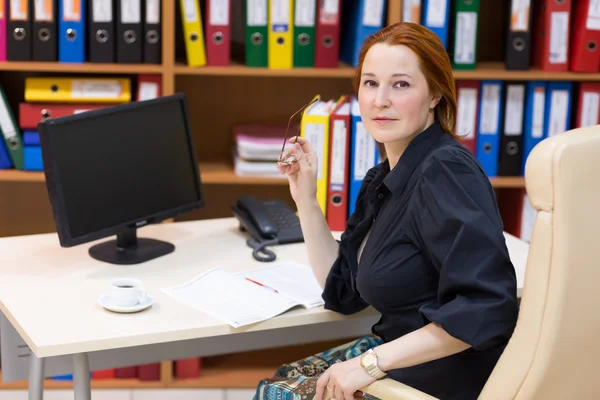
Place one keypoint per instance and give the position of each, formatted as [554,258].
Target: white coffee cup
[127,292]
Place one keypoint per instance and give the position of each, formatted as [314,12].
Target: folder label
[467,112]
[315,134]
[153,11]
[365,152]
[130,11]
[466,32]
[189,9]
[102,10]
[515,104]
[490,106]
[373,13]
[18,10]
[280,15]
[43,10]
[593,18]
[591,105]
[72,10]
[411,11]
[219,13]
[257,13]
[559,36]
[104,89]
[338,155]
[520,15]
[148,90]
[539,99]
[558,112]
[305,13]
[436,14]
[329,12]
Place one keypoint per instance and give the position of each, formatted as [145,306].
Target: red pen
[260,284]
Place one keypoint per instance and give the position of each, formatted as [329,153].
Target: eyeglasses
[291,158]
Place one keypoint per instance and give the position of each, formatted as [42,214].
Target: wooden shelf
[222,173]
[95,383]
[79,68]
[484,70]
[343,71]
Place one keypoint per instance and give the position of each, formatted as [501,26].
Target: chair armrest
[390,389]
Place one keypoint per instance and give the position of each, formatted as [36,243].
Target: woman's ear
[434,101]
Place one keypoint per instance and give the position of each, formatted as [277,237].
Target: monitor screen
[118,167]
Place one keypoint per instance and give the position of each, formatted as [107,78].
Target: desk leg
[81,377]
[36,377]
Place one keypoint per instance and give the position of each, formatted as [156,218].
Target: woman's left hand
[342,380]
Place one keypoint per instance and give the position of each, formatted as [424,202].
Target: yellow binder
[78,90]
[315,128]
[191,18]
[281,34]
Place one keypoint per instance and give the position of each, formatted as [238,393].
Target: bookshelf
[219,97]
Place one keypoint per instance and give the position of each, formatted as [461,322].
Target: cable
[259,247]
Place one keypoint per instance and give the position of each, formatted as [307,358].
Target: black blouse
[436,253]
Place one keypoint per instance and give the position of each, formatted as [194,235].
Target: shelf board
[222,173]
[77,68]
[226,377]
[484,70]
[343,71]
[95,384]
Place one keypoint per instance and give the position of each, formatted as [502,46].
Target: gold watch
[369,363]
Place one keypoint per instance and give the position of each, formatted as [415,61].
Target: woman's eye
[370,83]
[402,84]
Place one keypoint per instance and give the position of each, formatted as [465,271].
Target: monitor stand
[128,249]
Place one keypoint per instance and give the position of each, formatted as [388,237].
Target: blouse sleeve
[458,226]
[340,292]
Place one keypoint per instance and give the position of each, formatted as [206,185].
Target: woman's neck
[394,150]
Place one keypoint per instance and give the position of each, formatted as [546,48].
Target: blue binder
[32,158]
[31,138]
[364,155]
[356,28]
[490,125]
[534,130]
[438,21]
[5,162]
[72,34]
[558,107]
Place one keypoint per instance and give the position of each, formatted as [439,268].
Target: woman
[424,247]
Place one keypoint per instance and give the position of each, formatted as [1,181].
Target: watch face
[369,359]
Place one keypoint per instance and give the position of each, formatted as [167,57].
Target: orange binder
[339,156]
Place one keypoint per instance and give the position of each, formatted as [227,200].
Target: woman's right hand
[302,175]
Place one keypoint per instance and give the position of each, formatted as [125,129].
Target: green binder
[10,132]
[257,44]
[466,20]
[304,33]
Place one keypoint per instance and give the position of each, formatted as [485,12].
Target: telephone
[269,222]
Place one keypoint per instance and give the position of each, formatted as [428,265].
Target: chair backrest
[555,349]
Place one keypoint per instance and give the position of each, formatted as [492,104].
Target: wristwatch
[369,362]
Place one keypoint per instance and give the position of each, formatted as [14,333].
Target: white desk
[49,295]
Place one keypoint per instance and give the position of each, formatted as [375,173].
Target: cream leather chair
[554,352]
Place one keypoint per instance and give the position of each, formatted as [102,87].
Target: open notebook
[250,296]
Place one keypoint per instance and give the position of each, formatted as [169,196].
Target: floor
[139,394]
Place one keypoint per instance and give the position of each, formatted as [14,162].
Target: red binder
[218,32]
[32,113]
[585,40]
[467,98]
[149,87]
[339,155]
[188,367]
[149,372]
[104,374]
[551,35]
[588,104]
[327,41]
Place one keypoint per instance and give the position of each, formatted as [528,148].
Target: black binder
[18,40]
[511,139]
[518,43]
[129,31]
[101,31]
[45,39]
[152,32]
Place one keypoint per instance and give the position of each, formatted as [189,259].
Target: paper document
[250,296]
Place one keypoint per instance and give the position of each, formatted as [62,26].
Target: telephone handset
[269,222]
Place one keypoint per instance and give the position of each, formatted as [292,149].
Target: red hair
[434,63]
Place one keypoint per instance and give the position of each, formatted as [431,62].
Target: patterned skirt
[298,380]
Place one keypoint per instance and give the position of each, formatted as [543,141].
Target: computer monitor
[113,170]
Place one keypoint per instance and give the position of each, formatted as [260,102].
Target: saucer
[106,302]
